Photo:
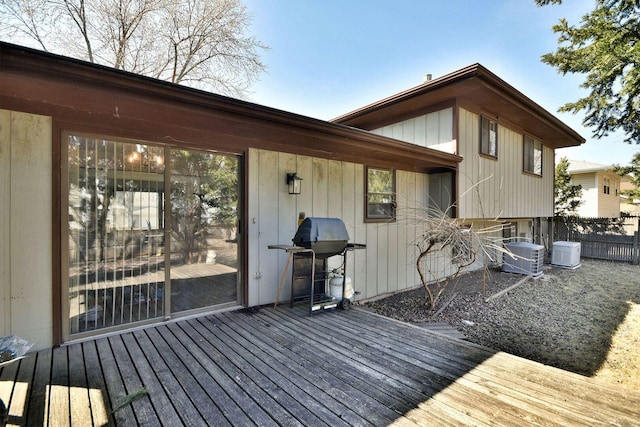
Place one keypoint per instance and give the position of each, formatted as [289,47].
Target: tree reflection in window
[380,194]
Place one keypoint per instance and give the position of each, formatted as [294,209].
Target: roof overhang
[76,92]
[474,85]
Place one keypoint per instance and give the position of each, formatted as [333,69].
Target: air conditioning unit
[523,258]
[566,254]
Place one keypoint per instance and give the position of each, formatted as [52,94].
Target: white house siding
[489,188]
[329,189]
[594,202]
[433,130]
[25,223]
[589,206]
[608,204]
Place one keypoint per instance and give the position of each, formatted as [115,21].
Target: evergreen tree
[633,170]
[568,196]
[605,47]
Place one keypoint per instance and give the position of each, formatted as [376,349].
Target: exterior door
[204,217]
[151,232]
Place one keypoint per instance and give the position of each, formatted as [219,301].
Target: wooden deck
[281,367]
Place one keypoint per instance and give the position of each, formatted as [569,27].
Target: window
[532,155]
[607,186]
[488,137]
[380,194]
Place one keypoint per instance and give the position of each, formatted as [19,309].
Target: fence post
[635,258]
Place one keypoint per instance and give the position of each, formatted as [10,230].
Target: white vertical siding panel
[253,228]
[408,131]
[373,256]
[421,203]
[420,134]
[393,266]
[383,262]
[268,220]
[5,223]
[348,203]
[334,200]
[433,128]
[304,200]
[335,186]
[402,184]
[360,256]
[32,261]
[320,186]
[287,225]
[396,130]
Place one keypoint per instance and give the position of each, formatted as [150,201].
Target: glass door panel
[115,257]
[204,246]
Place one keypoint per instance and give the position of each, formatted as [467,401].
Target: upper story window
[607,186]
[532,155]
[381,185]
[488,137]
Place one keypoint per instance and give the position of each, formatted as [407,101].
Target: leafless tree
[201,43]
[447,247]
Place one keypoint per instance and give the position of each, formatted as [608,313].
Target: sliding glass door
[204,246]
[147,237]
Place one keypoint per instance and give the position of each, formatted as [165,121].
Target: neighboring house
[506,140]
[129,201]
[628,206]
[600,189]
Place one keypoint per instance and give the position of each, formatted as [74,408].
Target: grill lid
[321,229]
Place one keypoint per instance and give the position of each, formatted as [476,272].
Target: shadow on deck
[282,367]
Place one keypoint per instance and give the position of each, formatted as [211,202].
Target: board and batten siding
[25,227]
[329,189]
[432,130]
[498,188]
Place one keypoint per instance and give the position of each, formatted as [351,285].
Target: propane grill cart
[316,240]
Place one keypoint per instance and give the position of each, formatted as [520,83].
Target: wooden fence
[616,239]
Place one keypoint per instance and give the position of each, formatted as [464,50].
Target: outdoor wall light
[293,181]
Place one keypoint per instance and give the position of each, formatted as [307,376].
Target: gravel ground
[585,320]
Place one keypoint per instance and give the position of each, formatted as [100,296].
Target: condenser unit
[523,258]
[566,254]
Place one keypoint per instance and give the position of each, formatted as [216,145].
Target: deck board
[280,366]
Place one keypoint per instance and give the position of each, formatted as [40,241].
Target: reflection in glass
[204,203]
[116,232]
[380,197]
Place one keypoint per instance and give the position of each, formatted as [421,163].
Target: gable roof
[580,166]
[474,84]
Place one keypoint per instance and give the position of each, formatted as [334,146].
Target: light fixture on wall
[293,181]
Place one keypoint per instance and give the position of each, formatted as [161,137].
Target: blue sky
[329,57]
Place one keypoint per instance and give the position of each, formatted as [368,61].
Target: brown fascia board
[345,141]
[477,76]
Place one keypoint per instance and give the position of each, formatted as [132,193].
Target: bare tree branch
[199,43]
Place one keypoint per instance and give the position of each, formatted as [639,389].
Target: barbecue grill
[326,236]
[316,240]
